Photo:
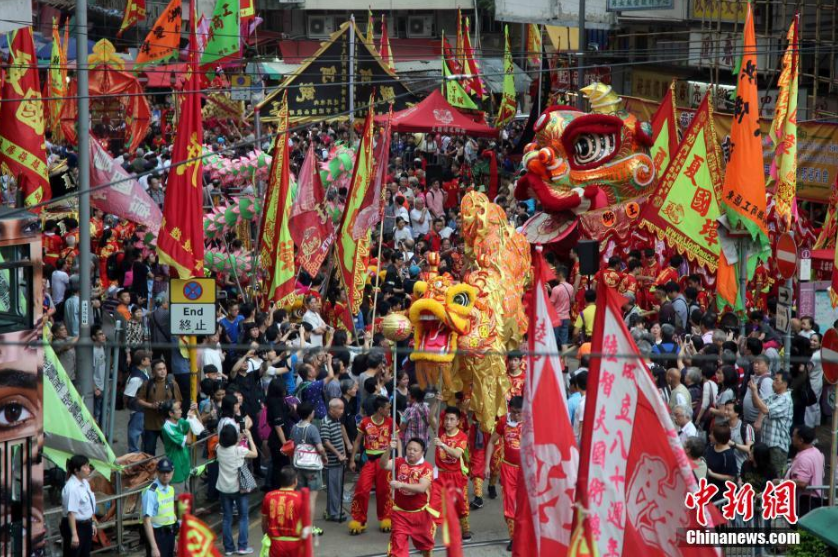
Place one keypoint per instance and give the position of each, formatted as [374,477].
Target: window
[16,289]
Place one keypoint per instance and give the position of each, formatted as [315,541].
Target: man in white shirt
[59,281]
[683,419]
[420,218]
[313,318]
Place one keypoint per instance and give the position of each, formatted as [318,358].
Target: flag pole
[833,457]
[351,80]
[743,280]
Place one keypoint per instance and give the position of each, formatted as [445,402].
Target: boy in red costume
[412,516]
[451,469]
[282,517]
[508,429]
[374,432]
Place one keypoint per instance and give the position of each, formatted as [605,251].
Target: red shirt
[452,188]
[511,436]
[517,385]
[284,510]
[629,284]
[408,474]
[670,274]
[376,436]
[444,461]
[610,277]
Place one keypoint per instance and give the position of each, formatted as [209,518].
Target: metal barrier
[120,520]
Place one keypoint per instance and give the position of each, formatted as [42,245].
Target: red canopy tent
[436,115]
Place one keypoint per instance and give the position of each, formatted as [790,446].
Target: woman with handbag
[234,483]
[309,456]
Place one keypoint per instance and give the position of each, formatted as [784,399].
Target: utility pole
[583,49]
[84,351]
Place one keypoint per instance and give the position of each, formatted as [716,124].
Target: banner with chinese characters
[728,11]
[319,89]
[683,209]
[565,77]
[817,149]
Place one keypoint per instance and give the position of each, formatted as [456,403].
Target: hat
[414,270]
[165,465]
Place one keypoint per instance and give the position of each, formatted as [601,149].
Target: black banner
[319,90]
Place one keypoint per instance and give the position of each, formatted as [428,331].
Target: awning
[492,70]
[821,524]
[272,70]
[161,76]
[294,52]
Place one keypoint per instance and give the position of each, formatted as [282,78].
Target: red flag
[549,456]
[308,548]
[276,251]
[372,209]
[634,474]
[134,12]
[22,149]
[196,538]
[452,537]
[180,242]
[384,47]
[475,84]
[311,228]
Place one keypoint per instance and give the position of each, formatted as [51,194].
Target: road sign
[240,88]
[829,355]
[192,308]
[193,291]
[783,318]
[804,271]
[786,256]
[784,296]
[192,319]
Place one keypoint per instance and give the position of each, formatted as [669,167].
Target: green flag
[683,209]
[69,429]
[454,92]
[508,106]
[223,39]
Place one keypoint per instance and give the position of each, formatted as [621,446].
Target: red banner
[311,228]
[22,149]
[134,12]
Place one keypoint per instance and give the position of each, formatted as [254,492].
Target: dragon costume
[589,172]
[462,331]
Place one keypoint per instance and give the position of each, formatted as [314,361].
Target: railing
[120,521]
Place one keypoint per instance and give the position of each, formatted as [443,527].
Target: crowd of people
[292,398]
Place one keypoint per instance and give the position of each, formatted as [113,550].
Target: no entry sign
[786,256]
[829,355]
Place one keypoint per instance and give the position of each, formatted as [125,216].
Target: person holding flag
[451,469]
[374,434]
[283,512]
[412,515]
[508,429]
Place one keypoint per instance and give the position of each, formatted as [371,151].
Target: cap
[165,465]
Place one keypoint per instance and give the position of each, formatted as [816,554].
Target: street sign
[240,88]
[804,271]
[192,319]
[829,355]
[783,318]
[784,296]
[786,256]
[192,307]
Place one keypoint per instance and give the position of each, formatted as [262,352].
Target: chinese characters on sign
[630,5]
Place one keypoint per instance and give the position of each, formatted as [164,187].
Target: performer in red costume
[413,518]
[508,429]
[611,275]
[451,470]
[282,516]
[374,433]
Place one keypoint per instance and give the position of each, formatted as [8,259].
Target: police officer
[159,517]
[78,523]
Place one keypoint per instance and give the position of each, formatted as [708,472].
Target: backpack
[112,266]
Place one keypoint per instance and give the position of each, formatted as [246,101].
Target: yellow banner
[817,149]
[728,11]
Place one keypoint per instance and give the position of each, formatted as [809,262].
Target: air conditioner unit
[320,26]
[419,26]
